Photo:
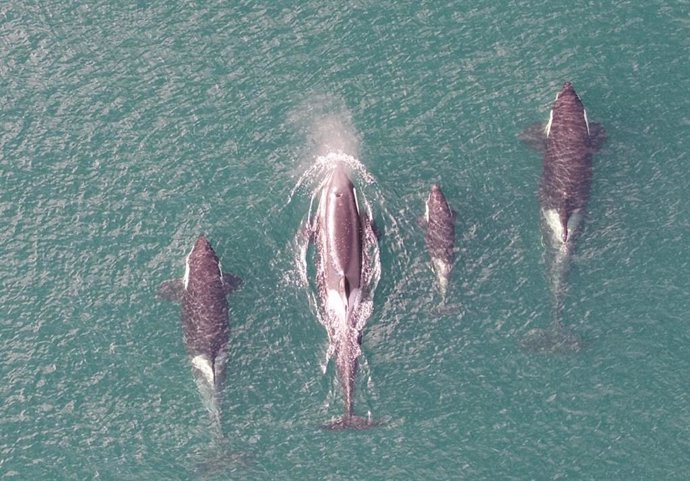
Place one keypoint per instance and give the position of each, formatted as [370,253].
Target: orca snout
[201,244]
[436,195]
[201,239]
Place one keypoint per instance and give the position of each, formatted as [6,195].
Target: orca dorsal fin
[345,287]
[563,216]
[597,136]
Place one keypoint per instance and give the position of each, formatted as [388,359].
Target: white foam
[331,159]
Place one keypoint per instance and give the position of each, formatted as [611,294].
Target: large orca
[203,294]
[567,141]
[339,230]
[439,221]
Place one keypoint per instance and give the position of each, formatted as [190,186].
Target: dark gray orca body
[439,220]
[339,235]
[567,142]
[203,294]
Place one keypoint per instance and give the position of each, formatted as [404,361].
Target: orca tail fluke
[557,340]
[443,308]
[219,458]
[351,422]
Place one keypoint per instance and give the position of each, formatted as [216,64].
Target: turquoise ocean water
[129,128]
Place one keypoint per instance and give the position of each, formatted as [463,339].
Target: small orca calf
[439,220]
[567,142]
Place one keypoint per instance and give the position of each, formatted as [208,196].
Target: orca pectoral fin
[597,136]
[534,137]
[171,290]
[351,423]
[231,282]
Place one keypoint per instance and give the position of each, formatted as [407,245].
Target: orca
[202,293]
[338,231]
[567,142]
[439,221]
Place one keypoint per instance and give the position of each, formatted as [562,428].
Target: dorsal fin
[345,287]
[563,216]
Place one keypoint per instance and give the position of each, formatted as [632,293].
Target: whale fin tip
[170,290]
[351,422]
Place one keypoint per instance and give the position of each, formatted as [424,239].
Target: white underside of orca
[340,306]
[442,270]
[553,221]
[547,129]
[203,364]
[185,279]
[336,303]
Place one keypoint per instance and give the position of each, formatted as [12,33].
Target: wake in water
[333,142]
[557,338]
[346,269]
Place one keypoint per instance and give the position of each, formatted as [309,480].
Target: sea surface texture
[127,129]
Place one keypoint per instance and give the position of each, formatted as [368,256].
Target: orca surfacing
[203,295]
[339,232]
[439,221]
[568,142]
